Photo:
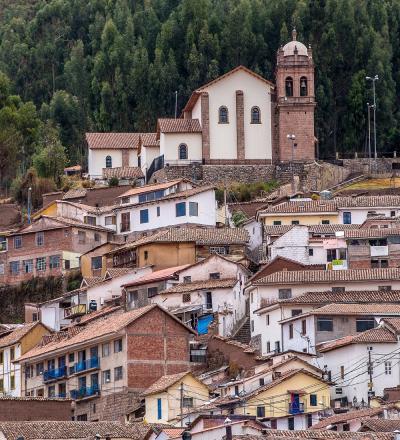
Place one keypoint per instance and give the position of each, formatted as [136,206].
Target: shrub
[113,181]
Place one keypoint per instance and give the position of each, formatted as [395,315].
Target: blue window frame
[313,400]
[159,410]
[347,218]
[180,209]
[144,216]
[108,162]
[193,209]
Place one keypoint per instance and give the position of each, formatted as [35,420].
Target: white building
[266,293]
[347,362]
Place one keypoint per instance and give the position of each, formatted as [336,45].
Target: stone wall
[227,174]
[361,165]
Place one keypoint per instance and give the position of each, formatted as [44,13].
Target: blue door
[159,412]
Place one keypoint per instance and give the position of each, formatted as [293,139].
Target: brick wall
[240,125]
[157,345]
[13,410]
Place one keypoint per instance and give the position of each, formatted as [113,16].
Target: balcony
[55,374]
[379,251]
[296,408]
[85,392]
[74,311]
[88,364]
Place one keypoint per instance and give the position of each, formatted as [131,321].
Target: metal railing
[83,392]
[157,164]
[54,374]
[296,407]
[87,364]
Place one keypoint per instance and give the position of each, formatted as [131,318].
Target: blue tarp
[203,323]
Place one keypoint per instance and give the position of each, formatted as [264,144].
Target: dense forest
[68,66]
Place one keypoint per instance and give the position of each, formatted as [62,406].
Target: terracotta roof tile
[75,193]
[149,139]
[277,230]
[380,425]
[119,271]
[371,232]
[393,323]
[91,281]
[357,309]
[17,334]
[123,173]
[179,125]
[344,417]
[200,285]
[45,430]
[105,141]
[164,382]
[276,434]
[149,188]
[328,276]
[158,275]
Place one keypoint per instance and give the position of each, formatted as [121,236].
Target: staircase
[243,334]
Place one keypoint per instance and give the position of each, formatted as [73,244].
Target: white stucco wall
[359,215]
[97,161]
[254,229]
[147,155]
[293,245]
[169,146]
[223,136]
[7,368]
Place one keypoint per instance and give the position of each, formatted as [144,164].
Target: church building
[238,118]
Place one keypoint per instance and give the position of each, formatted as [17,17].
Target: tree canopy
[116,64]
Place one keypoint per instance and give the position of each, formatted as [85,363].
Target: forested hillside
[69,66]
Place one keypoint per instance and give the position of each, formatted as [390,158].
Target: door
[209,303]
[295,404]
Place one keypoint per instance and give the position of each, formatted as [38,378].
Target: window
[187,279]
[187,402]
[1,357]
[388,367]
[51,391]
[67,264]
[117,373]
[118,346]
[364,324]
[274,424]
[290,331]
[290,422]
[28,266]
[81,237]
[110,220]
[295,222]
[347,218]
[193,209]
[215,275]
[296,312]
[303,327]
[268,347]
[144,216]
[39,368]
[209,301]
[310,252]
[12,353]
[125,221]
[14,267]
[41,264]
[107,376]
[289,86]
[303,86]
[385,288]
[325,222]
[71,357]
[146,255]
[325,324]
[277,347]
[1,385]
[54,261]
[97,236]
[90,220]
[221,250]
[223,115]
[309,420]
[267,320]
[12,381]
[284,293]
[105,350]
[18,242]
[125,200]
[108,162]
[152,291]
[180,209]
[97,262]
[255,115]
[186,297]
[261,381]
[252,325]
[330,255]
[183,151]
[81,418]
[260,411]
[35,317]
[39,238]
[62,390]
[276,222]
[1,268]
[159,411]
[392,213]
[313,400]
[158,211]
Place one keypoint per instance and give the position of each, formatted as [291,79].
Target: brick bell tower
[295,102]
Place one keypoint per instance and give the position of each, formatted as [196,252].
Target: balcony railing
[56,373]
[296,408]
[83,392]
[87,364]
[72,312]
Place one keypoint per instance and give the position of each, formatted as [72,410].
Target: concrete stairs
[243,334]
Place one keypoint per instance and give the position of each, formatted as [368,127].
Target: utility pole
[225,208]
[29,204]
[374,79]
[369,136]
[181,399]
[370,370]
[176,103]
[292,137]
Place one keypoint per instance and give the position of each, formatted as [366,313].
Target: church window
[183,151]
[303,86]
[223,115]
[255,115]
[289,86]
[108,162]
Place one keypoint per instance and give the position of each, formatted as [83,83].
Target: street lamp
[373,79]
[292,137]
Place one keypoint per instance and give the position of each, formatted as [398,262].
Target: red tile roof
[17,334]
[179,126]
[345,417]
[159,275]
[201,285]
[123,173]
[357,309]
[149,139]
[149,188]
[164,382]
[105,141]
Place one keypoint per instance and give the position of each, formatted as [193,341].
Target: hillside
[115,65]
